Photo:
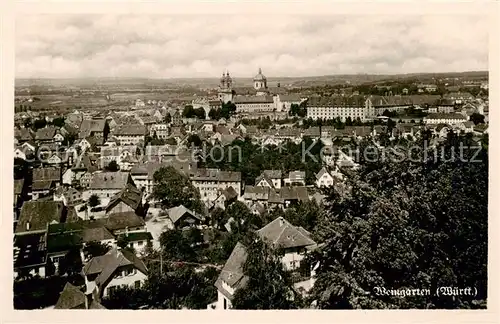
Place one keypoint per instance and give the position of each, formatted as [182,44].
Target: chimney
[282,222]
[28,226]
[126,231]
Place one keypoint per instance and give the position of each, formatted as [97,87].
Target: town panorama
[271,164]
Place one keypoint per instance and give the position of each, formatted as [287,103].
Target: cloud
[157,46]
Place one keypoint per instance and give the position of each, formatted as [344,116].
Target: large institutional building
[353,107]
[262,101]
[226,92]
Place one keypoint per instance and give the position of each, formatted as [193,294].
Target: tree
[112,166]
[403,225]
[188,111]
[227,109]
[173,189]
[94,201]
[477,118]
[123,241]
[294,110]
[269,286]
[200,113]
[244,220]
[194,140]
[106,130]
[214,114]
[304,214]
[71,263]
[193,236]
[58,122]
[27,123]
[39,123]
[176,246]
[167,119]
[69,139]
[94,249]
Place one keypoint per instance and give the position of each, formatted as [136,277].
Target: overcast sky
[148,46]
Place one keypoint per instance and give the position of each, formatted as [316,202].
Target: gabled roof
[137,236]
[105,265]
[46,133]
[216,175]
[89,126]
[96,234]
[63,241]
[337,101]
[390,101]
[281,233]
[446,116]
[252,99]
[232,272]
[23,134]
[29,249]
[176,213]
[46,174]
[290,97]
[322,172]
[109,180]
[131,130]
[117,221]
[130,195]
[38,214]
[230,193]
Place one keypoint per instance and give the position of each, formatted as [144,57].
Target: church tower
[226,88]
[260,83]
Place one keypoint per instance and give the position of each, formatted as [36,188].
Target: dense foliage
[175,288]
[269,286]
[173,189]
[94,200]
[37,293]
[250,159]
[416,224]
[190,112]
[94,249]
[112,166]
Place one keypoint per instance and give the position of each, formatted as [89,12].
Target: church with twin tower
[226,92]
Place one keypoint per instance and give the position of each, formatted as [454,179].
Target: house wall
[39,193]
[130,139]
[103,194]
[40,270]
[120,208]
[255,107]
[444,121]
[276,183]
[137,229]
[139,246]
[19,154]
[291,259]
[220,302]
[120,280]
[209,189]
[337,112]
[263,183]
[325,181]
[68,177]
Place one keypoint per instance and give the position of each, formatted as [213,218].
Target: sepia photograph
[271,161]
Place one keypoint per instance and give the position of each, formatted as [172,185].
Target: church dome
[260,76]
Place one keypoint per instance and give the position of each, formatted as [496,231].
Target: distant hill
[151,84]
